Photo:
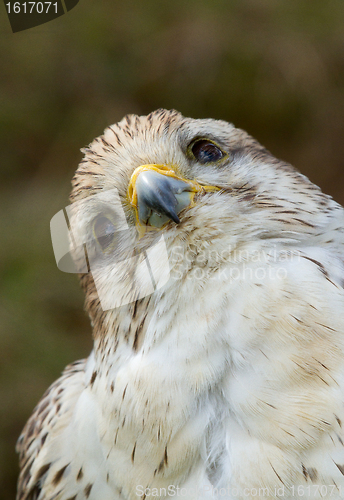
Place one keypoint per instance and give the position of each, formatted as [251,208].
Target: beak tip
[158,194]
[173,216]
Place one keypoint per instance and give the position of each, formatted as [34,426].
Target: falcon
[225,379]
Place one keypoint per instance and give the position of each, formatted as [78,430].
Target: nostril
[184,199]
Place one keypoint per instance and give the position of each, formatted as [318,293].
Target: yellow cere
[164,170]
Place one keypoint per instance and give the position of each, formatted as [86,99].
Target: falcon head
[207,190]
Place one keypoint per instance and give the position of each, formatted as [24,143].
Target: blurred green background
[273,67]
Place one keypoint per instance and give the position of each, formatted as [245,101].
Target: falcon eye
[206,152]
[104,231]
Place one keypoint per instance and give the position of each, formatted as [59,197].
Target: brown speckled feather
[55,406]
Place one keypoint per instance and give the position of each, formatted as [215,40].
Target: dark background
[273,67]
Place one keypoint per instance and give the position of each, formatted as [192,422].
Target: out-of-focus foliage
[273,67]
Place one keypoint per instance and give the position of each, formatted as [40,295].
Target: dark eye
[206,152]
[104,231]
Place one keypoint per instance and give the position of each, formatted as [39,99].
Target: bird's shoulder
[287,377]
[46,423]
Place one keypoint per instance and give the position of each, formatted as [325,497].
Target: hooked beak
[159,195]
